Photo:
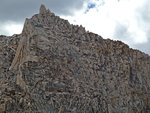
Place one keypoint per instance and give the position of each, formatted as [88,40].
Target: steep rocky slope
[56,67]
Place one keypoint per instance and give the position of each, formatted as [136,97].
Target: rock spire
[42,9]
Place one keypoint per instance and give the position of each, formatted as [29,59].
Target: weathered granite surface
[56,67]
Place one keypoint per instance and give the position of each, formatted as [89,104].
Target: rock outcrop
[56,67]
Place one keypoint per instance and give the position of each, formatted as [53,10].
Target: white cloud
[11,28]
[104,18]
[123,20]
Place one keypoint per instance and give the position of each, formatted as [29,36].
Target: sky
[125,20]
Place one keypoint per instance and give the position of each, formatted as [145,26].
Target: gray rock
[55,67]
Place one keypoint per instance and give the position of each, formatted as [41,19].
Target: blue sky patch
[91,5]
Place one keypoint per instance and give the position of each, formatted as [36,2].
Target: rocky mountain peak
[56,67]
[42,9]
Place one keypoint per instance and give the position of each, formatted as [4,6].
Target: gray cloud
[18,10]
[145,47]
[145,11]
[121,32]
[143,20]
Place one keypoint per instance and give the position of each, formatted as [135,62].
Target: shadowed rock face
[56,67]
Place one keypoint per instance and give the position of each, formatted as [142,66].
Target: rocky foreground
[56,67]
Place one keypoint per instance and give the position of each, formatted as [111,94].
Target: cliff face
[56,67]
